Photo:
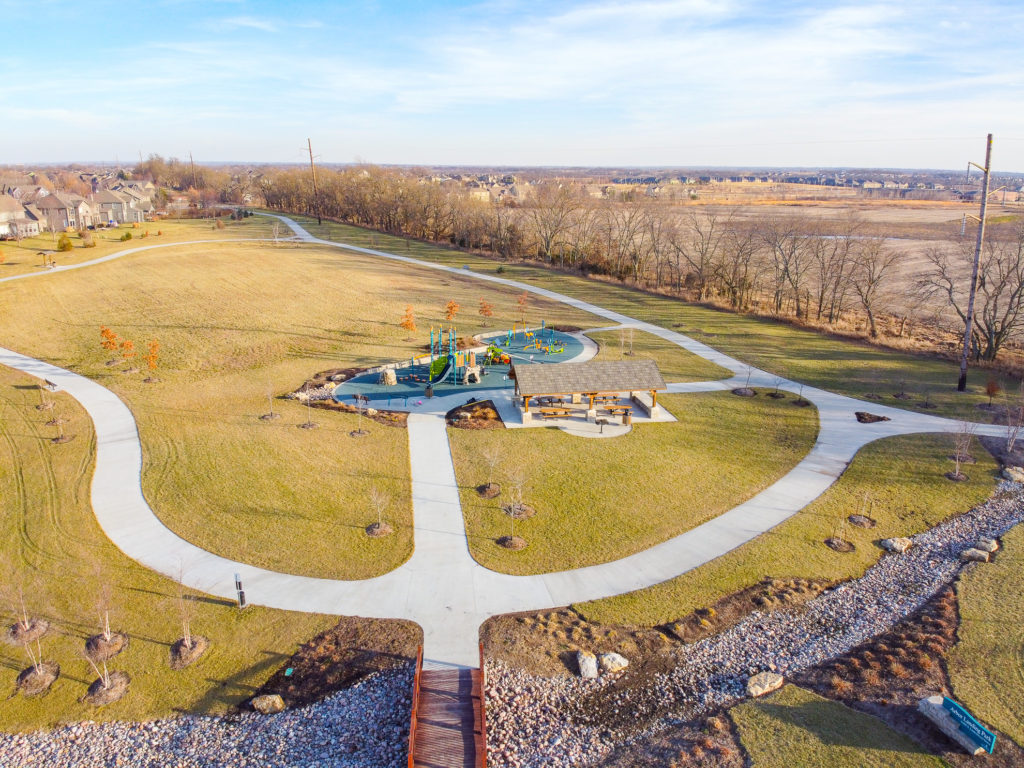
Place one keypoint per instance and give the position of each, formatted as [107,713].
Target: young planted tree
[486,310]
[515,508]
[408,320]
[380,502]
[110,342]
[270,415]
[189,647]
[961,448]
[107,643]
[522,304]
[492,455]
[1014,418]
[451,309]
[27,631]
[127,351]
[992,388]
[151,358]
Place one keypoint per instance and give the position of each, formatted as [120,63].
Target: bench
[554,413]
[617,410]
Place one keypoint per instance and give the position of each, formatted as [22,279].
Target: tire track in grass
[12,412]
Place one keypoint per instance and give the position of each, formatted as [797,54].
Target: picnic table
[554,413]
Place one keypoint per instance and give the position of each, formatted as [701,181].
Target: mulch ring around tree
[100,694]
[183,655]
[36,681]
[776,395]
[839,545]
[19,634]
[99,648]
[869,418]
[488,490]
[514,543]
[476,415]
[744,392]
[801,402]
[379,530]
[518,510]
[862,521]
[957,477]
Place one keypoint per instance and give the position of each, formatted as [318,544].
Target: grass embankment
[902,476]
[24,257]
[675,363]
[841,365]
[54,547]
[599,500]
[794,727]
[234,321]
[987,666]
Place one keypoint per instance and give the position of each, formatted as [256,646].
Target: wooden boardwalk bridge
[448,722]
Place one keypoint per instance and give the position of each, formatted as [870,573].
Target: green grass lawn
[235,321]
[849,367]
[794,728]
[675,363]
[599,500]
[54,547]
[23,257]
[902,476]
[987,665]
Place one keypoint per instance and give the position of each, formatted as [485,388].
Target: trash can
[429,391]
[627,418]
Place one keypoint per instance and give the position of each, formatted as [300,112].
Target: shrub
[87,239]
[64,243]
[126,236]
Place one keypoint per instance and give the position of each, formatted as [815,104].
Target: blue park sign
[969,726]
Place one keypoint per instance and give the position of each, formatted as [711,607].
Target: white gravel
[365,726]
[537,721]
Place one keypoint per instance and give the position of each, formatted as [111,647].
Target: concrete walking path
[441,587]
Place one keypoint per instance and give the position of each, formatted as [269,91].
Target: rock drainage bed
[365,726]
[539,721]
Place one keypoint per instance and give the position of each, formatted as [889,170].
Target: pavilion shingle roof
[611,376]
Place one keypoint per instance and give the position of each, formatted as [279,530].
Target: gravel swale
[365,726]
[538,721]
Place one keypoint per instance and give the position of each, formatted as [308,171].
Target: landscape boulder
[1014,474]
[764,682]
[612,662]
[987,545]
[268,704]
[974,555]
[388,378]
[899,544]
[587,663]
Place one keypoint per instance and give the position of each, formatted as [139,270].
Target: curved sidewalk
[441,587]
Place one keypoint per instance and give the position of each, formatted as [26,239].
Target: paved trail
[441,587]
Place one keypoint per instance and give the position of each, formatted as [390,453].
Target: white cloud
[250,22]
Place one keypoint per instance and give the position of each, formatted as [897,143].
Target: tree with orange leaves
[110,340]
[451,309]
[408,320]
[127,350]
[521,302]
[153,354]
[486,309]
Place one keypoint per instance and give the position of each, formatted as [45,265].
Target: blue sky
[655,82]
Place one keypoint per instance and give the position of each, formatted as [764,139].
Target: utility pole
[961,385]
[316,195]
[195,184]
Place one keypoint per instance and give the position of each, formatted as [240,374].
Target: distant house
[15,220]
[64,211]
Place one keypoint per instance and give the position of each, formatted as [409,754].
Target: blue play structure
[448,370]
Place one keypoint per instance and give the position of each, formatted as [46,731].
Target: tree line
[827,273]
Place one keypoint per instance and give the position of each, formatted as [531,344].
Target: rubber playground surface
[494,376]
